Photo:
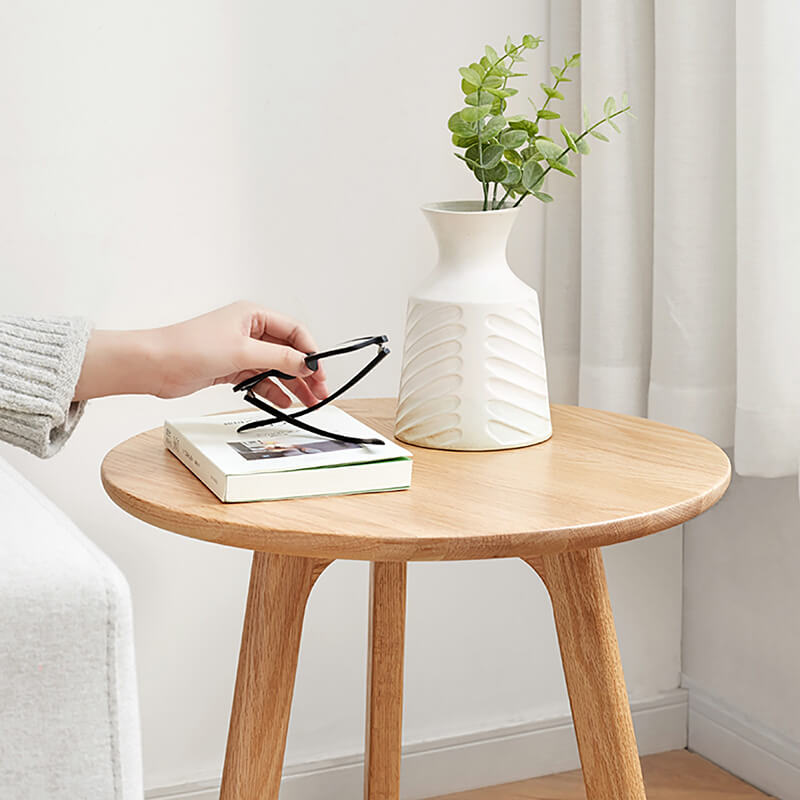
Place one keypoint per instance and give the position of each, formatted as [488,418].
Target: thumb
[262,356]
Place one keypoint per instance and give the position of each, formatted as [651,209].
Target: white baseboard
[742,746]
[467,761]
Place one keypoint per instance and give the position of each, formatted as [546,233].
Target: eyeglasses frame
[312,362]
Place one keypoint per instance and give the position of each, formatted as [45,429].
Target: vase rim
[465,207]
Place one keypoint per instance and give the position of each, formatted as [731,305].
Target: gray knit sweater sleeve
[40,362]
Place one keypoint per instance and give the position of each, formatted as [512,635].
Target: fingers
[288,330]
[279,329]
[262,356]
[273,393]
[304,392]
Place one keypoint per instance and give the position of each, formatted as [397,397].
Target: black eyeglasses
[312,362]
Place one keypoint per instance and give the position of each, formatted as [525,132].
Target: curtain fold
[693,366]
[768,237]
[617,210]
[672,271]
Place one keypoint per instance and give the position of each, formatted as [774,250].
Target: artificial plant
[510,156]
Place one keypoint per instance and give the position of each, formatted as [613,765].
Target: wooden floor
[678,775]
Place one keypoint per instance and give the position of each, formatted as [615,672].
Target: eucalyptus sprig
[511,152]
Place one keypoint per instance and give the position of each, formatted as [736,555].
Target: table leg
[587,637]
[273,623]
[387,620]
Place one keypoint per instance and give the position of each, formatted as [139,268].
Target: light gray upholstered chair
[69,717]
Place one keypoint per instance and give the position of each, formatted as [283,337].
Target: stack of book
[280,461]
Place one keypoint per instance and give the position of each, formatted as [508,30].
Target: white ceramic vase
[473,375]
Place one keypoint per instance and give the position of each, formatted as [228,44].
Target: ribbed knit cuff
[40,363]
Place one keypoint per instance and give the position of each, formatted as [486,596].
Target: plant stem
[555,86]
[480,146]
[484,184]
[502,202]
[504,57]
[577,139]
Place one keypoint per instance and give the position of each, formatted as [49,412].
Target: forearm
[121,362]
[40,360]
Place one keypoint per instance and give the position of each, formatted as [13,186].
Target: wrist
[121,362]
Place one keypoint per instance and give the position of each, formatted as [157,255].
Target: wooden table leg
[387,621]
[276,604]
[587,637]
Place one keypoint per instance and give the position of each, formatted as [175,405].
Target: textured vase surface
[473,375]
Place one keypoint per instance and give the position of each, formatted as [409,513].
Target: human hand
[223,346]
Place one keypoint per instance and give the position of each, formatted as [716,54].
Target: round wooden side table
[603,478]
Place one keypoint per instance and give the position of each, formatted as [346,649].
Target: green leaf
[457,124]
[614,125]
[543,196]
[609,107]
[493,81]
[472,164]
[574,60]
[587,120]
[530,42]
[561,167]
[463,141]
[491,54]
[470,75]
[625,101]
[551,92]
[512,139]
[514,157]
[583,146]
[492,128]
[485,63]
[532,175]
[474,113]
[479,68]
[546,113]
[601,136]
[488,156]
[503,93]
[513,175]
[550,150]
[509,44]
[522,124]
[556,72]
[467,87]
[479,98]
[569,140]
[473,154]
[495,174]
[492,155]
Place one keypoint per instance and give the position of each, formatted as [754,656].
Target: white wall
[741,633]
[159,159]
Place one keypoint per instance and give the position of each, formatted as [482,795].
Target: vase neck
[471,239]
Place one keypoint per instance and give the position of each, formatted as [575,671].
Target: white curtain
[682,239]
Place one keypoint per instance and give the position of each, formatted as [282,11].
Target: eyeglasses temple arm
[384,351]
[304,425]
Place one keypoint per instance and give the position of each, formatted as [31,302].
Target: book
[280,461]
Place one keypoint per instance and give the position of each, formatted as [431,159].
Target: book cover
[280,461]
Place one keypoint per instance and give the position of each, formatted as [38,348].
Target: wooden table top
[602,478]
